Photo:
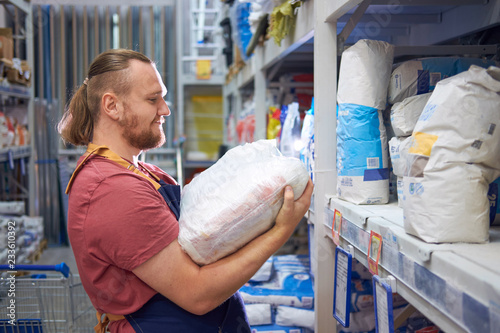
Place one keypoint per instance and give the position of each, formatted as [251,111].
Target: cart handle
[62,268]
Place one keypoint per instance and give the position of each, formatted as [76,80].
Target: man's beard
[145,139]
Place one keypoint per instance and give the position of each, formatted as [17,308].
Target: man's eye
[153,100]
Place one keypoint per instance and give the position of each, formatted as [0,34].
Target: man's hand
[292,211]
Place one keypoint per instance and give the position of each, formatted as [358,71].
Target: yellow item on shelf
[283,20]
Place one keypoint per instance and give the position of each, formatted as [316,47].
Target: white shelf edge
[445,273]
[17,152]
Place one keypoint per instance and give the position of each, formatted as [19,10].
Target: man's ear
[109,104]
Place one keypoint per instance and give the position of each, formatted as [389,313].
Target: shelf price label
[342,286]
[384,318]
[336,225]
[374,248]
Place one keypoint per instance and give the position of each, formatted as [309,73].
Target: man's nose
[164,110]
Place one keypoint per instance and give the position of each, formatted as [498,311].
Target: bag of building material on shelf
[453,157]
[236,199]
[405,114]
[259,314]
[420,76]
[362,156]
[398,150]
[365,70]
[291,316]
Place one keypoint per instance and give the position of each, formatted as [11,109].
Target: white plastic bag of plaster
[453,158]
[236,199]
[398,151]
[420,76]
[259,314]
[365,70]
[405,114]
[290,284]
[362,155]
[290,316]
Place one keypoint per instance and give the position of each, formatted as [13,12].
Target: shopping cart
[44,303]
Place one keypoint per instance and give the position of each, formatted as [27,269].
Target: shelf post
[325,87]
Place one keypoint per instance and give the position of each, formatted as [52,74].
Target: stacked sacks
[410,88]
[404,116]
[284,302]
[420,76]
[362,157]
[453,158]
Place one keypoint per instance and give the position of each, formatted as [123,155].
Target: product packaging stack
[20,233]
[411,85]
[362,156]
[453,156]
[280,296]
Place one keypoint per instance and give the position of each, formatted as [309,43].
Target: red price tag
[374,249]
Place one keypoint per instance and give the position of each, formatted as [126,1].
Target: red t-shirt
[117,220]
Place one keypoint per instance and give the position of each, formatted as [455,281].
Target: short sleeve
[128,221]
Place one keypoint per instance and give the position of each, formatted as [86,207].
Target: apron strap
[104,151]
[103,322]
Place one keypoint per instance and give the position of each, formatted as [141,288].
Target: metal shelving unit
[468,284]
[10,154]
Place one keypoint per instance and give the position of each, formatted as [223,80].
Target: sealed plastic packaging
[236,199]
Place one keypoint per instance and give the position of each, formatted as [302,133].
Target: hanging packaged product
[453,158]
[362,156]
[307,132]
[420,76]
[405,114]
[290,132]
[236,199]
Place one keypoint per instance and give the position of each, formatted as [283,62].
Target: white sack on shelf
[365,70]
[362,155]
[405,114]
[259,314]
[420,76]
[453,158]
[236,199]
[400,191]
[290,316]
[398,150]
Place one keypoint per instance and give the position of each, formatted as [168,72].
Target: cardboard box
[6,43]
[20,75]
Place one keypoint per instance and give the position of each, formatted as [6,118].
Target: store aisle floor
[56,254]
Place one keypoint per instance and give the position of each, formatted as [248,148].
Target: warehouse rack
[460,292]
[22,34]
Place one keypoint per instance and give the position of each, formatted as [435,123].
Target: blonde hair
[108,72]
